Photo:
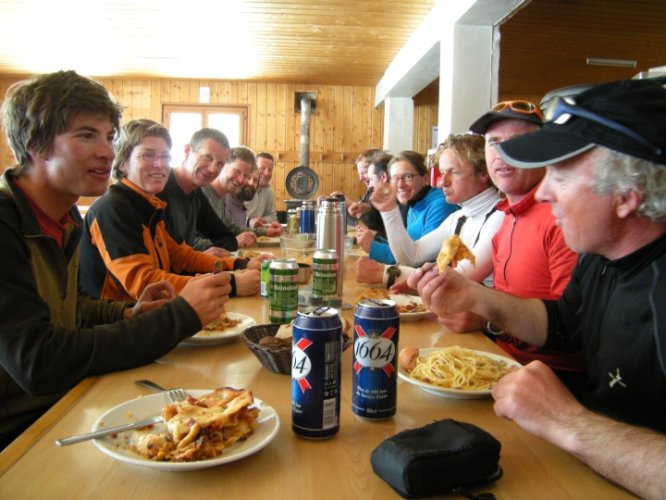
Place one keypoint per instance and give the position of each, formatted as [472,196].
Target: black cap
[628,116]
[483,123]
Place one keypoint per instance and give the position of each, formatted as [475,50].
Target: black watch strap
[393,272]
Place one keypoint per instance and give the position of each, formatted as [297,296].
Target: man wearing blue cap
[605,153]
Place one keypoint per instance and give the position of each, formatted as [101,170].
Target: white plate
[403,299]
[212,337]
[453,393]
[270,242]
[147,406]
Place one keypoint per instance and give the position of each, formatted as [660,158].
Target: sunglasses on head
[561,109]
[522,107]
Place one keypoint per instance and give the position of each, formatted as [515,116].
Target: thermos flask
[330,233]
[308,217]
[340,198]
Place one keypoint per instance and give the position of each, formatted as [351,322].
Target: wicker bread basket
[277,360]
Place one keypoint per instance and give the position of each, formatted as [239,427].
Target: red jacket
[531,260]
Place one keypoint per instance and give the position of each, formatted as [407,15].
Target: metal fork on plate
[175,395]
[172,395]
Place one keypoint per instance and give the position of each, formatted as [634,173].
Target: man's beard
[245,194]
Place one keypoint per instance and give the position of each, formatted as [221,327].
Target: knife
[77,438]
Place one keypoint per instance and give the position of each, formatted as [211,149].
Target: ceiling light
[622,63]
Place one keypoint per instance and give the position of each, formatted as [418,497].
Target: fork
[173,395]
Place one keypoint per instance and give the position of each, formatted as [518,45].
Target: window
[183,120]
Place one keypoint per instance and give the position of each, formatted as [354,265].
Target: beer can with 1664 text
[315,373]
[374,360]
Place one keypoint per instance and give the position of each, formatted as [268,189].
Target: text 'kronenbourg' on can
[374,360]
[265,276]
[325,266]
[283,290]
[315,372]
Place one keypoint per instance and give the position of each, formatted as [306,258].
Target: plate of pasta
[225,329]
[239,439]
[267,241]
[410,307]
[453,372]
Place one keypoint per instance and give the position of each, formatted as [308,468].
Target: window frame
[205,110]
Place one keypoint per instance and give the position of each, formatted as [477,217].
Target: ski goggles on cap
[561,109]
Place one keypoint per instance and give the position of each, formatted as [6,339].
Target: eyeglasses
[522,107]
[404,178]
[153,157]
[561,109]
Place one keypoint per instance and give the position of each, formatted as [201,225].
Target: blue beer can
[374,360]
[315,373]
[307,224]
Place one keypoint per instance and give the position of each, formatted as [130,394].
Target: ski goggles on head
[518,106]
[561,109]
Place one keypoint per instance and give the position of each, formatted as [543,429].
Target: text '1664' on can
[265,277]
[374,360]
[283,290]
[315,373]
[325,280]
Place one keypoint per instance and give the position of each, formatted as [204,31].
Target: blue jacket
[424,214]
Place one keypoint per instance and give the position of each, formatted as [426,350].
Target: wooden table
[290,467]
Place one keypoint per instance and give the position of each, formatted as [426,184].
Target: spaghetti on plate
[459,368]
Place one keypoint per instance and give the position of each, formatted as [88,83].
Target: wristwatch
[393,272]
[493,329]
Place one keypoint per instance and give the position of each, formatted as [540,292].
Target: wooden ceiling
[342,42]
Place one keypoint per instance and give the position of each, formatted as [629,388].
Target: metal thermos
[308,217]
[330,233]
[343,210]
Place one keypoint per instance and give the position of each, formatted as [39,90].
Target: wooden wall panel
[260,141]
[426,108]
[279,131]
[344,123]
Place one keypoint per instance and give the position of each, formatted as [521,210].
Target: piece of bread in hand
[453,251]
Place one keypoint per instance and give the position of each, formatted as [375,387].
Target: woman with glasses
[125,244]
[426,206]
[465,182]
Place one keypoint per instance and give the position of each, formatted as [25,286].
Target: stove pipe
[306,108]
